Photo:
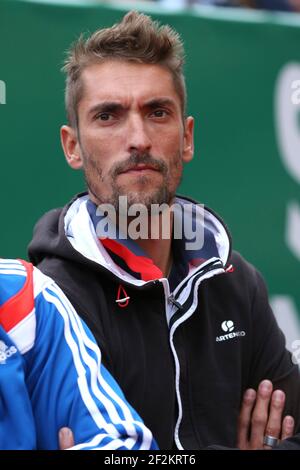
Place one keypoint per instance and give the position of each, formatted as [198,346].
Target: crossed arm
[261,414]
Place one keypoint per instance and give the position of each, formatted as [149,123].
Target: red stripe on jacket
[14,310]
[138,264]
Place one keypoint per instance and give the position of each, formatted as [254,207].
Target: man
[183,323]
[51,373]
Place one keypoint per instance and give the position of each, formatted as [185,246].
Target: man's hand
[261,415]
[65,438]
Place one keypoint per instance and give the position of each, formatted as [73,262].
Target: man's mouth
[139,168]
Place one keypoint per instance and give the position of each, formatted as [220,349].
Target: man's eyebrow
[106,107]
[115,106]
[157,102]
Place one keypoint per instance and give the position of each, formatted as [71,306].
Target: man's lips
[139,169]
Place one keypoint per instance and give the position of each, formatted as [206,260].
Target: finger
[288,426]
[244,419]
[260,414]
[66,438]
[273,427]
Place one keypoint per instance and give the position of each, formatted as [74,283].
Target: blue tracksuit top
[51,373]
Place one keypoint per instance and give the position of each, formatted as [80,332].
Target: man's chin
[142,200]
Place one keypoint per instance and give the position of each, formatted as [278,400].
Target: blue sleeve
[17,429]
[68,385]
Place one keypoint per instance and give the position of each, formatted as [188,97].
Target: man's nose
[138,136]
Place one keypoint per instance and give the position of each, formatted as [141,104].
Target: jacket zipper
[210,270]
[174,296]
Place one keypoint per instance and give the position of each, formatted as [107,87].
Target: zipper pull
[173,301]
[122,302]
[230,269]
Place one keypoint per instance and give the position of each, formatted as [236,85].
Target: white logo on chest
[228,327]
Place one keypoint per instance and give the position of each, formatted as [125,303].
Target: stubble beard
[145,196]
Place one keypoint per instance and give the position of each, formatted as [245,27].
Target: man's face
[132,140]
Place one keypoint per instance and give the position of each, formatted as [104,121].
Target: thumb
[66,438]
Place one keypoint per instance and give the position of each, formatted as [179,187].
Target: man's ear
[70,144]
[188,142]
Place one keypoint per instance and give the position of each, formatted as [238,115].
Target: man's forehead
[113,80]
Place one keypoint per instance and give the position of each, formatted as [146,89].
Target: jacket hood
[69,233]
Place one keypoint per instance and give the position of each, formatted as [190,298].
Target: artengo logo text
[228,325]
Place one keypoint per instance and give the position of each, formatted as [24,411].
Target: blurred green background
[240,69]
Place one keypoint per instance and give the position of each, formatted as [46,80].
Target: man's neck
[158,243]
[156,240]
[160,252]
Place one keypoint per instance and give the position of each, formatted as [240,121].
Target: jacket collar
[204,236]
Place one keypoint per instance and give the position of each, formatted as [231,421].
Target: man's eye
[103,116]
[159,113]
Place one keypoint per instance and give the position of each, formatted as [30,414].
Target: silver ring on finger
[270,441]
